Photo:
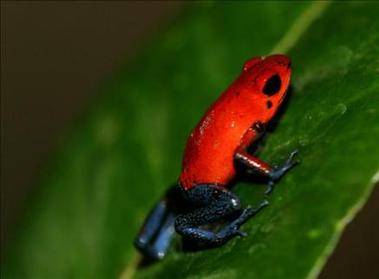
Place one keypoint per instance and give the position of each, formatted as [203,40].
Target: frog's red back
[210,149]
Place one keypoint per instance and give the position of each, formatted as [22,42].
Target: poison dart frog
[219,143]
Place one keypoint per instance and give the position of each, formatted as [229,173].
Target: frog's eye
[272,85]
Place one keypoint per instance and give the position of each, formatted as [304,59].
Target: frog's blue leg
[154,238]
[159,247]
[213,204]
[279,172]
[151,226]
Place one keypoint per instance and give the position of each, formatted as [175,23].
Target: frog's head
[266,80]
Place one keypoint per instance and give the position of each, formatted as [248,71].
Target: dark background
[53,56]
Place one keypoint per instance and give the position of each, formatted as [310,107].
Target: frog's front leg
[272,173]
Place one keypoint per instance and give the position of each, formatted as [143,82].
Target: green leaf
[118,162]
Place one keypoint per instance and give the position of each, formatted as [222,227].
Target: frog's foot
[279,172]
[233,229]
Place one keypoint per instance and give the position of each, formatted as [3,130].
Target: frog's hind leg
[151,227]
[154,237]
[162,241]
[212,204]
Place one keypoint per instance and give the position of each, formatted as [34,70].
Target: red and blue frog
[215,148]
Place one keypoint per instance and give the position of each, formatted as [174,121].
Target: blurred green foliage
[128,149]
